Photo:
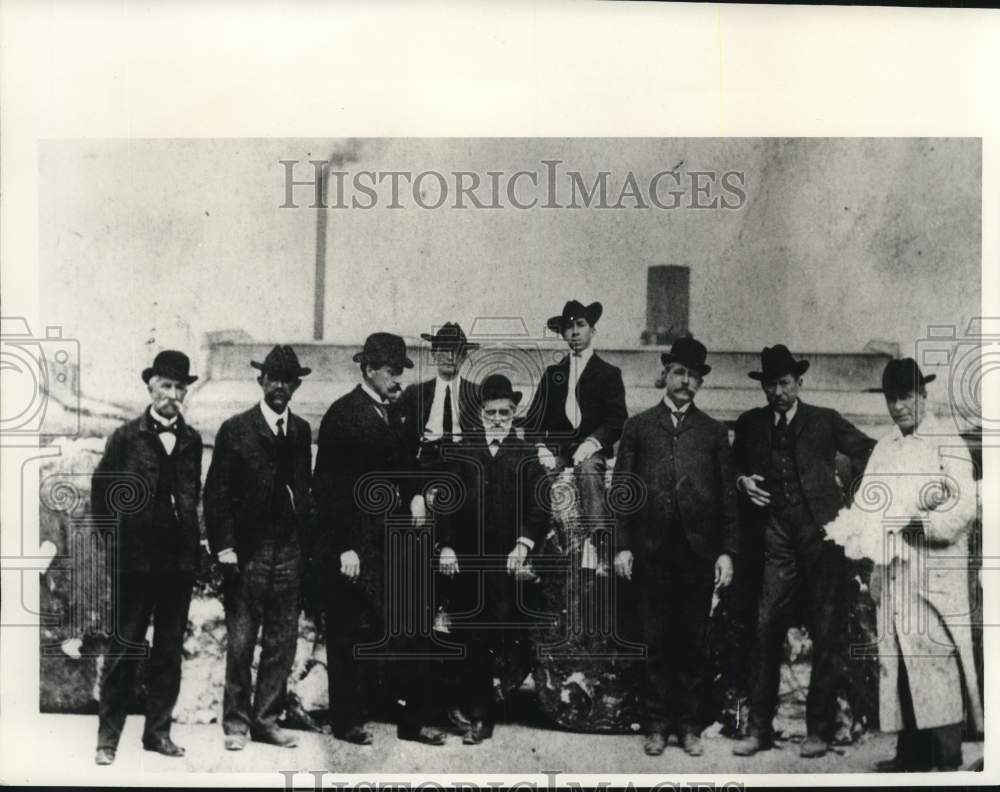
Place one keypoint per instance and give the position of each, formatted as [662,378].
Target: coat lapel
[690,419]
[802,416]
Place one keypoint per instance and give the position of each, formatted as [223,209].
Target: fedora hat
[497,386]
[572,311]
[902,376]
[383,349]
[282,362]
[171,364]
[449,336]
[688,352]
[776,362]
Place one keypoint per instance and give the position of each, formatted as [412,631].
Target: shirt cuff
[529,543]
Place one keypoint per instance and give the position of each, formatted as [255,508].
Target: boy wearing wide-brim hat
[786,458]
[257,512]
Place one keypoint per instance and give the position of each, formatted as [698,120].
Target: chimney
[667,303]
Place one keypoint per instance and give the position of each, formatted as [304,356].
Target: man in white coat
[917,500]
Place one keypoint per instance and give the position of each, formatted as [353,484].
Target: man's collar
[272,417]
[160,419]
[789,413]
[374,396]
[668,402]
[929,426]
[452,383]
[585,356]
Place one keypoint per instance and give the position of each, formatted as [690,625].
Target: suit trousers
[801,571]
[674,589]
[262,597]
[164,596]
[925,749]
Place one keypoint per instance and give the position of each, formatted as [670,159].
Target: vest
[166,527]
[782,475]
[281,526]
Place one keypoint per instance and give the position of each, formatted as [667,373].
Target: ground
[514,749]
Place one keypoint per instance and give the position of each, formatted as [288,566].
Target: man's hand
[418,510]
[723,571]
[750,485]
[350,564]
[449,562]
[586,450]
[623,564]
[228,556]
[546,458]
[515,559]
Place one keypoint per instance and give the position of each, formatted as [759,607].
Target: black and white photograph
[522,455]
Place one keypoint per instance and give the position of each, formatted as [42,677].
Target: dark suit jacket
[600,393]
[819,434]
[124,485]
[699,463]
[240,483]
[415,410]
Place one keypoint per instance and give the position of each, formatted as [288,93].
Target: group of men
[385,461]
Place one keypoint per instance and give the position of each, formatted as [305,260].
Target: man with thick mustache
[157,459]
[786,459]
[257,512]
[362,449]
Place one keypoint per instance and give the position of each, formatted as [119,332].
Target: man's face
[167,395]
[681,382]
[578,334]
[498,414]
[384,380]
[782,392]
[277,392]
[905,409]
[448,361]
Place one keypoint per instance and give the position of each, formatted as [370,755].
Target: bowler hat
[776,362]
[171,364]
[572,311]
[384,349]
[449,336]
[497,386]
[901,377]
[688,352]
[282,363]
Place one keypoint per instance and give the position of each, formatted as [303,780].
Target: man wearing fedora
[363,477]
[152,466]
[677,547]
[440,411]
[486,547]
[578,410]
[257,513]
[786,460]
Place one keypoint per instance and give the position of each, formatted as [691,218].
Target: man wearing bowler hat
[786,460]
[438,412]
[257,512]
[151,469]
[360,482]
[578,410]
[678,547]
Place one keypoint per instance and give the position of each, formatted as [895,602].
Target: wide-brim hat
[688,352]
[902,376]
[497,386]
[172,364]
[776,362]
[384,349]
[449,336]
[283,363]
[572,311]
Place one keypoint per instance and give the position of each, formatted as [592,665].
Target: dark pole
[319,289]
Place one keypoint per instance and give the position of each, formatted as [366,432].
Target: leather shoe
[889,766]
[691,743]
[427,735]
[276,736]
[358,735]
[236,742]
[163,745]
[457,719]
[751,744]
[477,732]
[813,747]
[104,756]
[655,744]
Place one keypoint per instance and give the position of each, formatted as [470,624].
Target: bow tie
[160,428]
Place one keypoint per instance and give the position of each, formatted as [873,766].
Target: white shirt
[577,363]
[272,417]
[789,414]
[435,421]
[499,436]
[674,408]
[169,439]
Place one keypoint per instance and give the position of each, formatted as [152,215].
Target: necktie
[281,427]
[172,428]
[494,447]
[782,421]
[572,405]
[446,422]
[678,417]
[382,413]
